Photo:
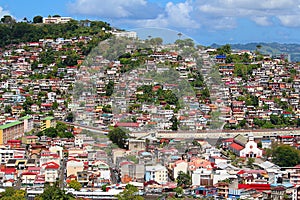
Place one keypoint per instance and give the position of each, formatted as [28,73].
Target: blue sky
[205,21]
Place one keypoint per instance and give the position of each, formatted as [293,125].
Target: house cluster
[32,161]
[37,79]
[269,88]
[212,172]
[153,166]
[258,90]
[90,105]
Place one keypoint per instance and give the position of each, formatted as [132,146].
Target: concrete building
[157,173]
[11,131]
[56,20]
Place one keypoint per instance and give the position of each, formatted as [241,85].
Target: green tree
[49,132]
[156,41]
[285,156]
[70,117]
[75,185]
[119,137]
[37,19]
[54,105]
[103,187]
[250,162]
[7,109]
[54,193]
[109,88]
[175,123]
[130,193]
[224,50]
[13,194]
[7,19]
[184,180]
[179,191]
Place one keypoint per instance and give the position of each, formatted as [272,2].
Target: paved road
[228,134]
[205,134]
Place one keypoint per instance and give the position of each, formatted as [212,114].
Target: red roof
[286,136]
[14,141]
[51,165]
[18,156]
[126,163]
[8,170]
[236,146]
[260,187]
[228,140]
[127,124]
[46,104]
[29,173]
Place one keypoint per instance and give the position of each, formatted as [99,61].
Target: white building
[157,173]
[202,177]
[128,34]
[56,20]
[251,150]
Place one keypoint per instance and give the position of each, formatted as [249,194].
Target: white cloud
[262,20]
[259,11]
[179,15]
[290,20]
[3,12]
[113,8]
[192,14]
[174,15]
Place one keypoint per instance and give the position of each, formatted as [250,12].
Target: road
[228,134]
[205,134]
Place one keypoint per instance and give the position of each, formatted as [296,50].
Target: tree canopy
[175,123]
[54,193]
[119,137]
[184,180]
[12,32]
[75,185]
[285,156]
[60,130]
[13,194]
[38,19]
[130,193]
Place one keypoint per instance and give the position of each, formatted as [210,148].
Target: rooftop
[11,124]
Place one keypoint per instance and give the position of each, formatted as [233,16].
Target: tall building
[47,122]
[28,123]
[11,131]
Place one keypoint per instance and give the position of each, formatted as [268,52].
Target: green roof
[11,124]
[25,117]
[48,118]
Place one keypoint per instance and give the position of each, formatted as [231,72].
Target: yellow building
[10,131]
[47,122]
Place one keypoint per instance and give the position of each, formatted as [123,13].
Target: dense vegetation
[60,130]
[12,32]
[119,137]
[285,155]
[273,48]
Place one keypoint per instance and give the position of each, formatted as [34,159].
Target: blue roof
[175,157]
[286,185]
[221,57]
[146,153]
[269,141]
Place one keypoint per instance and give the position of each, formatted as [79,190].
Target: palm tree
[179,35]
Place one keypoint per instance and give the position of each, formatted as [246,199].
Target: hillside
[270,48]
